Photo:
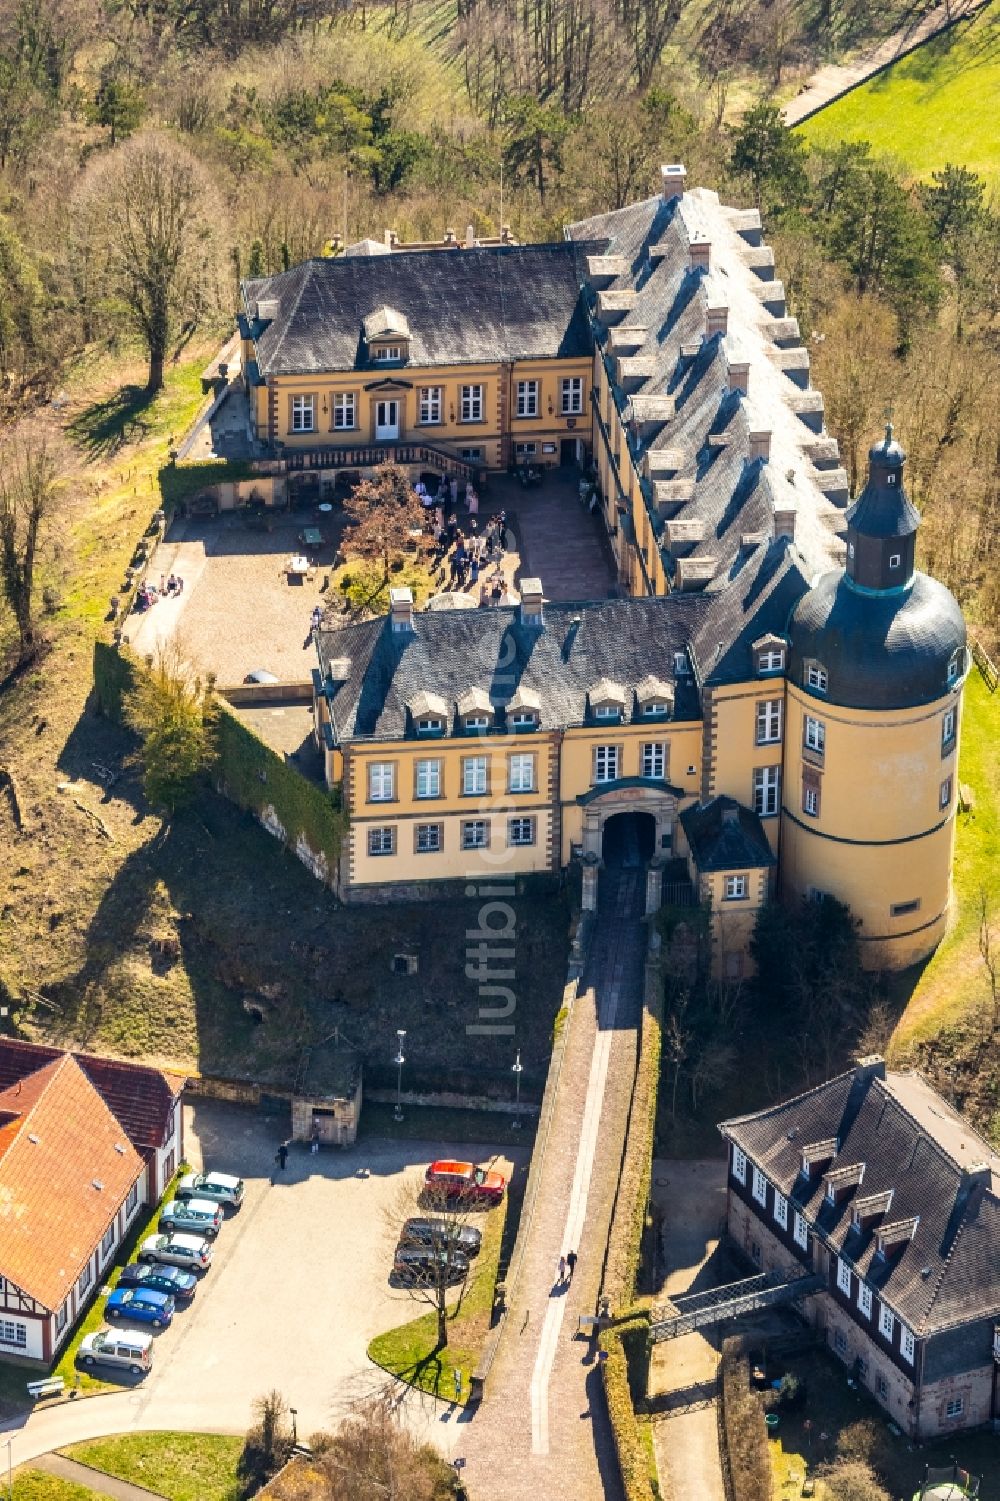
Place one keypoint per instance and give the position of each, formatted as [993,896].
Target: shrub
[629,1447]
[743,1429]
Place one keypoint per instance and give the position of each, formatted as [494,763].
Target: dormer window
[524,719]
[387,335]
[607,701]
[476,722]
[895,559]
[769,655]
[651,710]
[607,711]
[475,710]
[428,714]
[654,698]
[682,667]
[385,354]
[955,667]
[816,677]
[430,726]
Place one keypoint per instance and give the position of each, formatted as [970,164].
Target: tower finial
[888,423]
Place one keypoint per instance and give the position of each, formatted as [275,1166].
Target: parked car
[142,1304]
[160,1279]
[441,1233]
[418,1265]
[200,1216]
[221,1188]
[188,1251]
[463,1180]
[122,1348]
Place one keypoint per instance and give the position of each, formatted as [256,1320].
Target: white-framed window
[865,1300]
[861,1366]
[768,721]
[521,773]
[107,1241]
[474,776]
[781,1210]
[525,450]
[948,730]
[524,719]
[605,763]
[571,395]
[810,799]
[83,1282]
[759,1186]
[816,677]
[739,1165]
[843,1276]
[520,831]
[906,1343]
[653,760]
[527,398]
[955,666]
[471,403]
[882,1387]
[62,1317]
[766,784]
[772,660]
[386,353]
[471,455]
[886,1321]
[736,888]
[894,560]
[430,403]
[345,410]
[303,414]
[382,841]
[381,781]
[944,796]
[654,709]
[607,711]
[954,1407]
[476,721]
[14,1334]
[814,735]
[800,1232]
[428,779]
[132,1201]
[427,840]
[475,834]
[681,666]
[430,726]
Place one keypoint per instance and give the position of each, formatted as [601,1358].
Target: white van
[132,1351]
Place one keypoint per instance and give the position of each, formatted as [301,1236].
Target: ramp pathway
[94,1480]
[543,1428]
[829,83]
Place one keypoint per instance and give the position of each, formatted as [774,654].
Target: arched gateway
[647,798]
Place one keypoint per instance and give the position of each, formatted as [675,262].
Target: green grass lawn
[433,1123]
[937,105]
[180,1466]
[35,1485]
[952,983]
[409,1351]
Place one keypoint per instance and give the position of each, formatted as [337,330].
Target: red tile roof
[142,1097]
[66,1166]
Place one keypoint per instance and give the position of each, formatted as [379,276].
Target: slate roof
[721,842]
[66,1166]
[709,435]
[140,1096]
[496,302]
[912,1142]
[883,509]
[446,654]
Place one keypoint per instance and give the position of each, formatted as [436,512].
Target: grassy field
[409,1352]
[953,981]
[180,1466]
[35,1485]
[938,105]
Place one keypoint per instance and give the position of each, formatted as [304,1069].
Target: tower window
[955,666]
[945,795]
[948,732]
[895,560]
[814,735]
[903,909]
[816,677]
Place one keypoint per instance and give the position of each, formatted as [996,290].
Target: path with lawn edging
[833,82]
[97,1480]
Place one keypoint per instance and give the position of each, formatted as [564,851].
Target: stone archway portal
[603,805]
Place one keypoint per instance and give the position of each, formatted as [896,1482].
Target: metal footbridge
[690,1311]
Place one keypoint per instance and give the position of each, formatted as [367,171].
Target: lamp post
[294,1412]
[397,1114]
[517,1069]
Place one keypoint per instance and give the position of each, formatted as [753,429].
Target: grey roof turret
[882,523]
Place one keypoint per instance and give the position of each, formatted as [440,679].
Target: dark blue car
[142,1304]
[160,1279]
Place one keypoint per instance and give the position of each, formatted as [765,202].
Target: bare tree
[437,1235]
[31,482]
[372,1457]
[155,236]
[385,519]
[990,957]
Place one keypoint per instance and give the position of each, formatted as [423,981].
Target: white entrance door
[386,420]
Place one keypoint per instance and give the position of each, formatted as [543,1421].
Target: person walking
[281,1156]
[562,1269]
[314,1140]
[454,489]
[571,1263]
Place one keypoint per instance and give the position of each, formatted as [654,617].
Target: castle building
[873,1182]
[776,697]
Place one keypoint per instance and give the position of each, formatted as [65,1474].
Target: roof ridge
[772,1110]
[922,1129]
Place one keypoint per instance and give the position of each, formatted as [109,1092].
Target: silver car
[189,1251]
[221,1188]
[122,1348]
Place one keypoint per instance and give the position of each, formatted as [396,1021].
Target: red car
[463,1180]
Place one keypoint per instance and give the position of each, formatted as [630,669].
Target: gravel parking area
[299,1285]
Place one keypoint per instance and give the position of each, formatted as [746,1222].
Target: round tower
[877,664]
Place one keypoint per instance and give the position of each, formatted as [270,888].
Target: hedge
[181,480]
[747,1457]
[629,1447]
[248,772]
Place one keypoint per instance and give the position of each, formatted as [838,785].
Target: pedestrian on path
[281,1156]
[562,1269]
[571,1263]
[314,1142]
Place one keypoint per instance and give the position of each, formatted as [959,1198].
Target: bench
[52,1386]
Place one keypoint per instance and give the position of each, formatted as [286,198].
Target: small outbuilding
[326,1099]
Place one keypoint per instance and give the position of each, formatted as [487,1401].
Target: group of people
[147,596]
[447,494]
[473,559]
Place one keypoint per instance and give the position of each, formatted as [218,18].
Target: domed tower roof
[880,635]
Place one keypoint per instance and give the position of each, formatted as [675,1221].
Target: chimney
[401,608]
[739,377]
[869,1066]
[387,237]
[672,176]
[470,237]
[700,254]
[760,446]
[531,604]
[449,237]
[716,321]
[784,522]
